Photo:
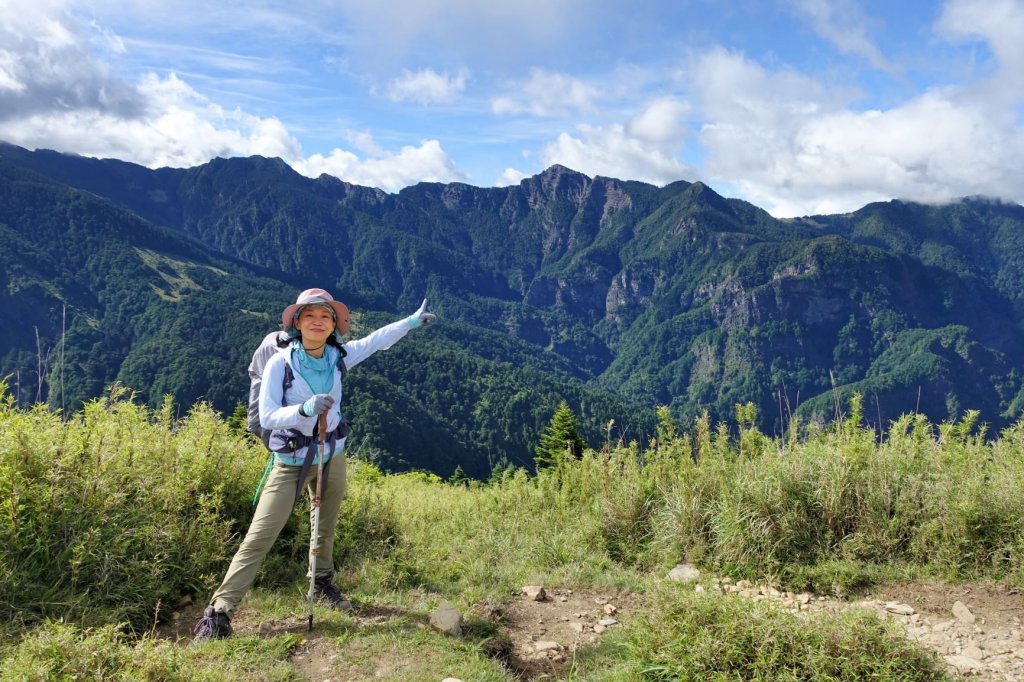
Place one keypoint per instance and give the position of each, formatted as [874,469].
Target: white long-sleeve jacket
[277,416]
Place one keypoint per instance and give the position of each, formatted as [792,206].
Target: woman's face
[315,323]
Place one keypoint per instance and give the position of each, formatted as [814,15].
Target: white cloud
[427,162]
[55,93]
[842,23]
[8,64]
[1000,23]
[660,122]
[796,148]
[47,65]
[178,129]
[645,148]
[510,176]
[427,86]
[547,93]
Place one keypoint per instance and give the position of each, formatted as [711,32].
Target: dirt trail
[976,628]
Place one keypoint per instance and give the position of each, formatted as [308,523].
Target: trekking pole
[314,530]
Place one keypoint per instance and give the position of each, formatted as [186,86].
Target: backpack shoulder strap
[342,368]
[286,381]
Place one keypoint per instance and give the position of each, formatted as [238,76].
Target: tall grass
[109,517]
[699,637]
[111,514]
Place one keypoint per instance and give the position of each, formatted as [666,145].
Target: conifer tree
[459,476]
[560,439]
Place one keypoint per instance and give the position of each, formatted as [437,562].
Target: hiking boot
[327,594]
[215,624]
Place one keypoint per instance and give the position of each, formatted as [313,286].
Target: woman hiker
[299,382]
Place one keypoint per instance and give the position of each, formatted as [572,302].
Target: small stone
[609,609]
[972,650]
[744,584]
[607,622]
[684,573]
[535,593]
[563,599]
[698,588]
[186,600]
[451,679]
[577,627]
[943,626]
[447,619]
[964,665]
[804,598]
[899,609]
[599,628]
[266,627]
[600,600]
[962,613]
[547,645]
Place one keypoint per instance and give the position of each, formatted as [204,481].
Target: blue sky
[799,106]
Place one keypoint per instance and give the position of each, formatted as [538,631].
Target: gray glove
[317,404]
[421,316]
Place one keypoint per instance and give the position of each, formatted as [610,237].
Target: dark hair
[283,340]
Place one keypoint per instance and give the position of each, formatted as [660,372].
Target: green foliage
[560,440]
[691,636]
[617,296]
[111,514]
[117,511]
[59,651]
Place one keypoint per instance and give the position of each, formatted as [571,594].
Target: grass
[109,518]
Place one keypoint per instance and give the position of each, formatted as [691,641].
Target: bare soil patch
[544,635]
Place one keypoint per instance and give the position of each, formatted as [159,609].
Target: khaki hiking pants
[272,512]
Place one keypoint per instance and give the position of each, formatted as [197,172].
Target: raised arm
[386,336]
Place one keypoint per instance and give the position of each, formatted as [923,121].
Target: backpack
[268,346]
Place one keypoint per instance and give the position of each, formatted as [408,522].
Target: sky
[798,106]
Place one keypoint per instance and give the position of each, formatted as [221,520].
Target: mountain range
[617,296]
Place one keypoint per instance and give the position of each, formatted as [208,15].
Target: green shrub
[118,512]
[691,636]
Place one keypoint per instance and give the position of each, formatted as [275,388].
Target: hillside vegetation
[109,518]
[615,296]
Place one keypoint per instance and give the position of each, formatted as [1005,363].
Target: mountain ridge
[673,295]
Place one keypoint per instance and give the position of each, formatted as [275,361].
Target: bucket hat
[316,297]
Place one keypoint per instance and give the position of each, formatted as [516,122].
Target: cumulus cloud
[55,93]
[177,128]
[645,148]
[427,162]
[999,23]
[793,146]
[427,86]
[547,93]
[510,176]
[46,64]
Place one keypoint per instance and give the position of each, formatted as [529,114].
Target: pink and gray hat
[321,298]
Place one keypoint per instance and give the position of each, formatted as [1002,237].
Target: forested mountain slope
[615,295]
